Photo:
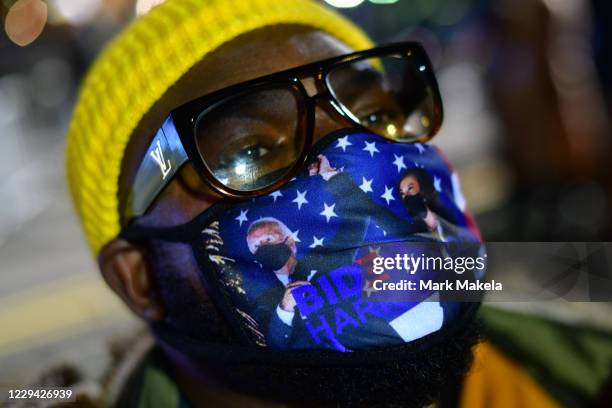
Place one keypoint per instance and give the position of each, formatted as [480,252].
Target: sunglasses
[249,139]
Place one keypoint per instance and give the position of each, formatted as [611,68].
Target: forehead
[254,54]
[265,229]
[409,179]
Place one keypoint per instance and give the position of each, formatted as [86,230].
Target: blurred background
[527,91]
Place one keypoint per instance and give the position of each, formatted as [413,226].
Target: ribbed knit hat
[137,68]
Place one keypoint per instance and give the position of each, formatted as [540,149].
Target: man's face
[409,186]
[176,287]
[268,234]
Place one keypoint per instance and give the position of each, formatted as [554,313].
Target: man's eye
[253,152]
[247,163]
[375,119]
[247,155]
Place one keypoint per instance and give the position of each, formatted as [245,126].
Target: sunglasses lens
[395,95]
[251,140]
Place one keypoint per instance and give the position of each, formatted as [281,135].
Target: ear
[126,271]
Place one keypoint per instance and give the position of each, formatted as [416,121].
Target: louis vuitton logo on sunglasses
[165,166]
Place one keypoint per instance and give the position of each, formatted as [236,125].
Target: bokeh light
[49,81]
[78,12]
[25,21]
[344,3]
[384,1]
[144,6]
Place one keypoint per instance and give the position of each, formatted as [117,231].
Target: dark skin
[127,268]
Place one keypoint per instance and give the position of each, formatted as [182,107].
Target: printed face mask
[415,206]
[295,269]
[272,257]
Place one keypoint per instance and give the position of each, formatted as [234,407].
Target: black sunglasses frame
[185,117]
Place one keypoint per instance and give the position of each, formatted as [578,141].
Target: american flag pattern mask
[292,270]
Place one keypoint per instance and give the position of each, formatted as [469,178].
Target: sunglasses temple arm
[165,156]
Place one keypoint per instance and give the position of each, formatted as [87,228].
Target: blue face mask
[293,270]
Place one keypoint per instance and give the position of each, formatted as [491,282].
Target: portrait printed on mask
[297,263]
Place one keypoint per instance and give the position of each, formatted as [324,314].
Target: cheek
[185,198]
[185,301]
[177,273]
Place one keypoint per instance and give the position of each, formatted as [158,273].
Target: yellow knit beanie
[136,69]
